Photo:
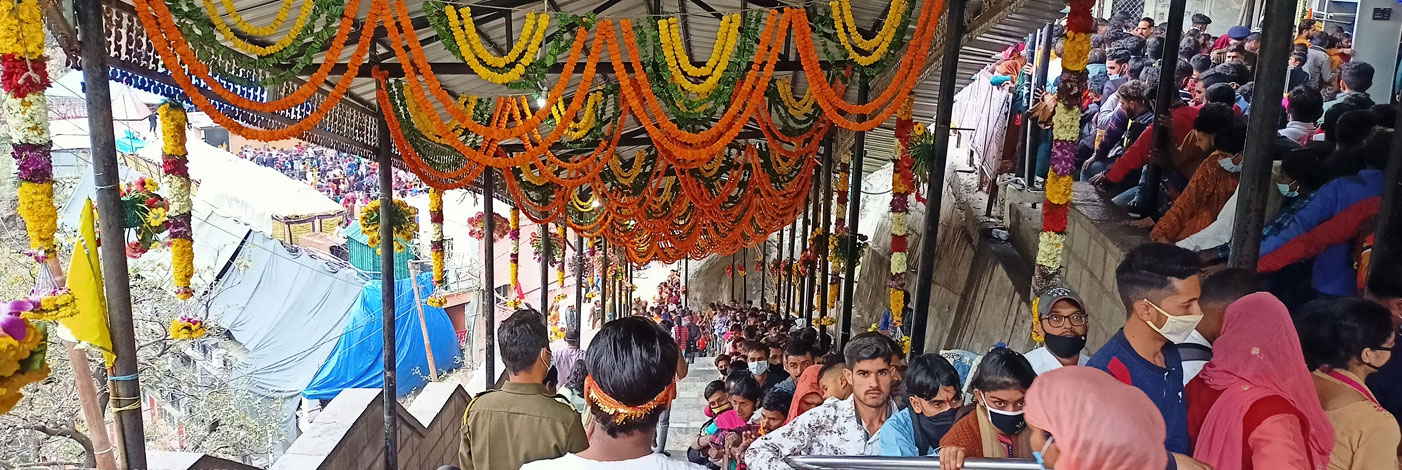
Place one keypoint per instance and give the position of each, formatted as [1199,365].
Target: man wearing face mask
[517,424]
[1062,320]
[757,358]
[1211,186]
[934,401]
[1159,286]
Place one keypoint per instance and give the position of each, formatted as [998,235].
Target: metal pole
[1039,81]
[1389,230]
[387,310]
[1255,182]
[546,253]
[805,301]
[423,327]
[126,393]
[578,283]
[1025,133]
[822,281]
[744,280]
[1164,99]
[904,463]
[604,280]
[934,193]
[854,203]
[489,275]
[686,282]
[763,267]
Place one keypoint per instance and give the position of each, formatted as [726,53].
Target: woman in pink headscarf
[1084,419]
[1254,403]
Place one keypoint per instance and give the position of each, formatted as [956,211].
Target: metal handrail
[820,462]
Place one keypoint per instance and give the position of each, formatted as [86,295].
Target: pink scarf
[1258,356]
[806,384]
[1115,428]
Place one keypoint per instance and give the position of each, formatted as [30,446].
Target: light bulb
[540,101]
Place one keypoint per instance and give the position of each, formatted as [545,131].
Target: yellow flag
[89,326]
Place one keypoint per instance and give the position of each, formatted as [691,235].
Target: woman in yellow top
[1344,341]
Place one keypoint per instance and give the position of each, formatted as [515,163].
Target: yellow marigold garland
[515,259]
[679,63]
[282,13]
[21,29]
[523,53]
[795,107]
[254,49]
[848,34]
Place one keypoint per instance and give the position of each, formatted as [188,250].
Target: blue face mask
[1286,191]
[1039,456]
[1229,165]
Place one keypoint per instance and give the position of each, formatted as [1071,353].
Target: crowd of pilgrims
[350,181]
[1208,371]
[1327,157]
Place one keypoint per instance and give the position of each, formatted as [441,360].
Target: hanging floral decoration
[1051,243]
[476,226]
[559,258]
[186,328]
[176,165]
[437,250]
[403,222]
[514,234]
[837,252]
[692,113]
[24,73]
[902,180]
[23,346]
[145,215]
[557,247]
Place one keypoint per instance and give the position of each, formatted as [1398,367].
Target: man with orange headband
[632,366]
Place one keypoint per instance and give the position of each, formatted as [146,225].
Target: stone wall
[349,432]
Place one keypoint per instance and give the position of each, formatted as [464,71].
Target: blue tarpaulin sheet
[358,360]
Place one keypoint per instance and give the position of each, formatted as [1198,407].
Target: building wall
[1376,42]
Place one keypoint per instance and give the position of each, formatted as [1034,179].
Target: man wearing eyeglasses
[1061,319]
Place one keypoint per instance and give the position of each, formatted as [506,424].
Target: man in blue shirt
[1159,286]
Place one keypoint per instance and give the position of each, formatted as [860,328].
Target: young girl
[993,427]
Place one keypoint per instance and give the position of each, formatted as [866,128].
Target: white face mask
[1176,328]
[759,367]
[1229,165]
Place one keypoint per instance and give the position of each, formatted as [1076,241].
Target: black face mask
[1065,346]
[1009,424]
[929,430]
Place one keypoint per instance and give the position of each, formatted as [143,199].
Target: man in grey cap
[1063,323]
[1235,36]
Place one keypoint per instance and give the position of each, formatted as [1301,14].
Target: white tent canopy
[128,104]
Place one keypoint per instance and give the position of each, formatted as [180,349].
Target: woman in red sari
[1254,405]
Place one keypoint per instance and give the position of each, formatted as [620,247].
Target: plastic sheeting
[358,360]
[286,308]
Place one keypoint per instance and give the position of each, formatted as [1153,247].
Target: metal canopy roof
[992,26]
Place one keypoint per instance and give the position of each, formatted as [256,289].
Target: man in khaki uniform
[503,429]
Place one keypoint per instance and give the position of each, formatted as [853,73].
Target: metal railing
[903,463]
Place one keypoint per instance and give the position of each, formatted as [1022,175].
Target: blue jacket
[1333,269]
[897,436]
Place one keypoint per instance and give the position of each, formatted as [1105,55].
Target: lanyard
[1352,383]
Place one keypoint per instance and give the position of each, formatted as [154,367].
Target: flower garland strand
[902,180]
[176,165]
[837,256]
[25,76]
[404,224]
[1065,131]
[515,274]
[436,248]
